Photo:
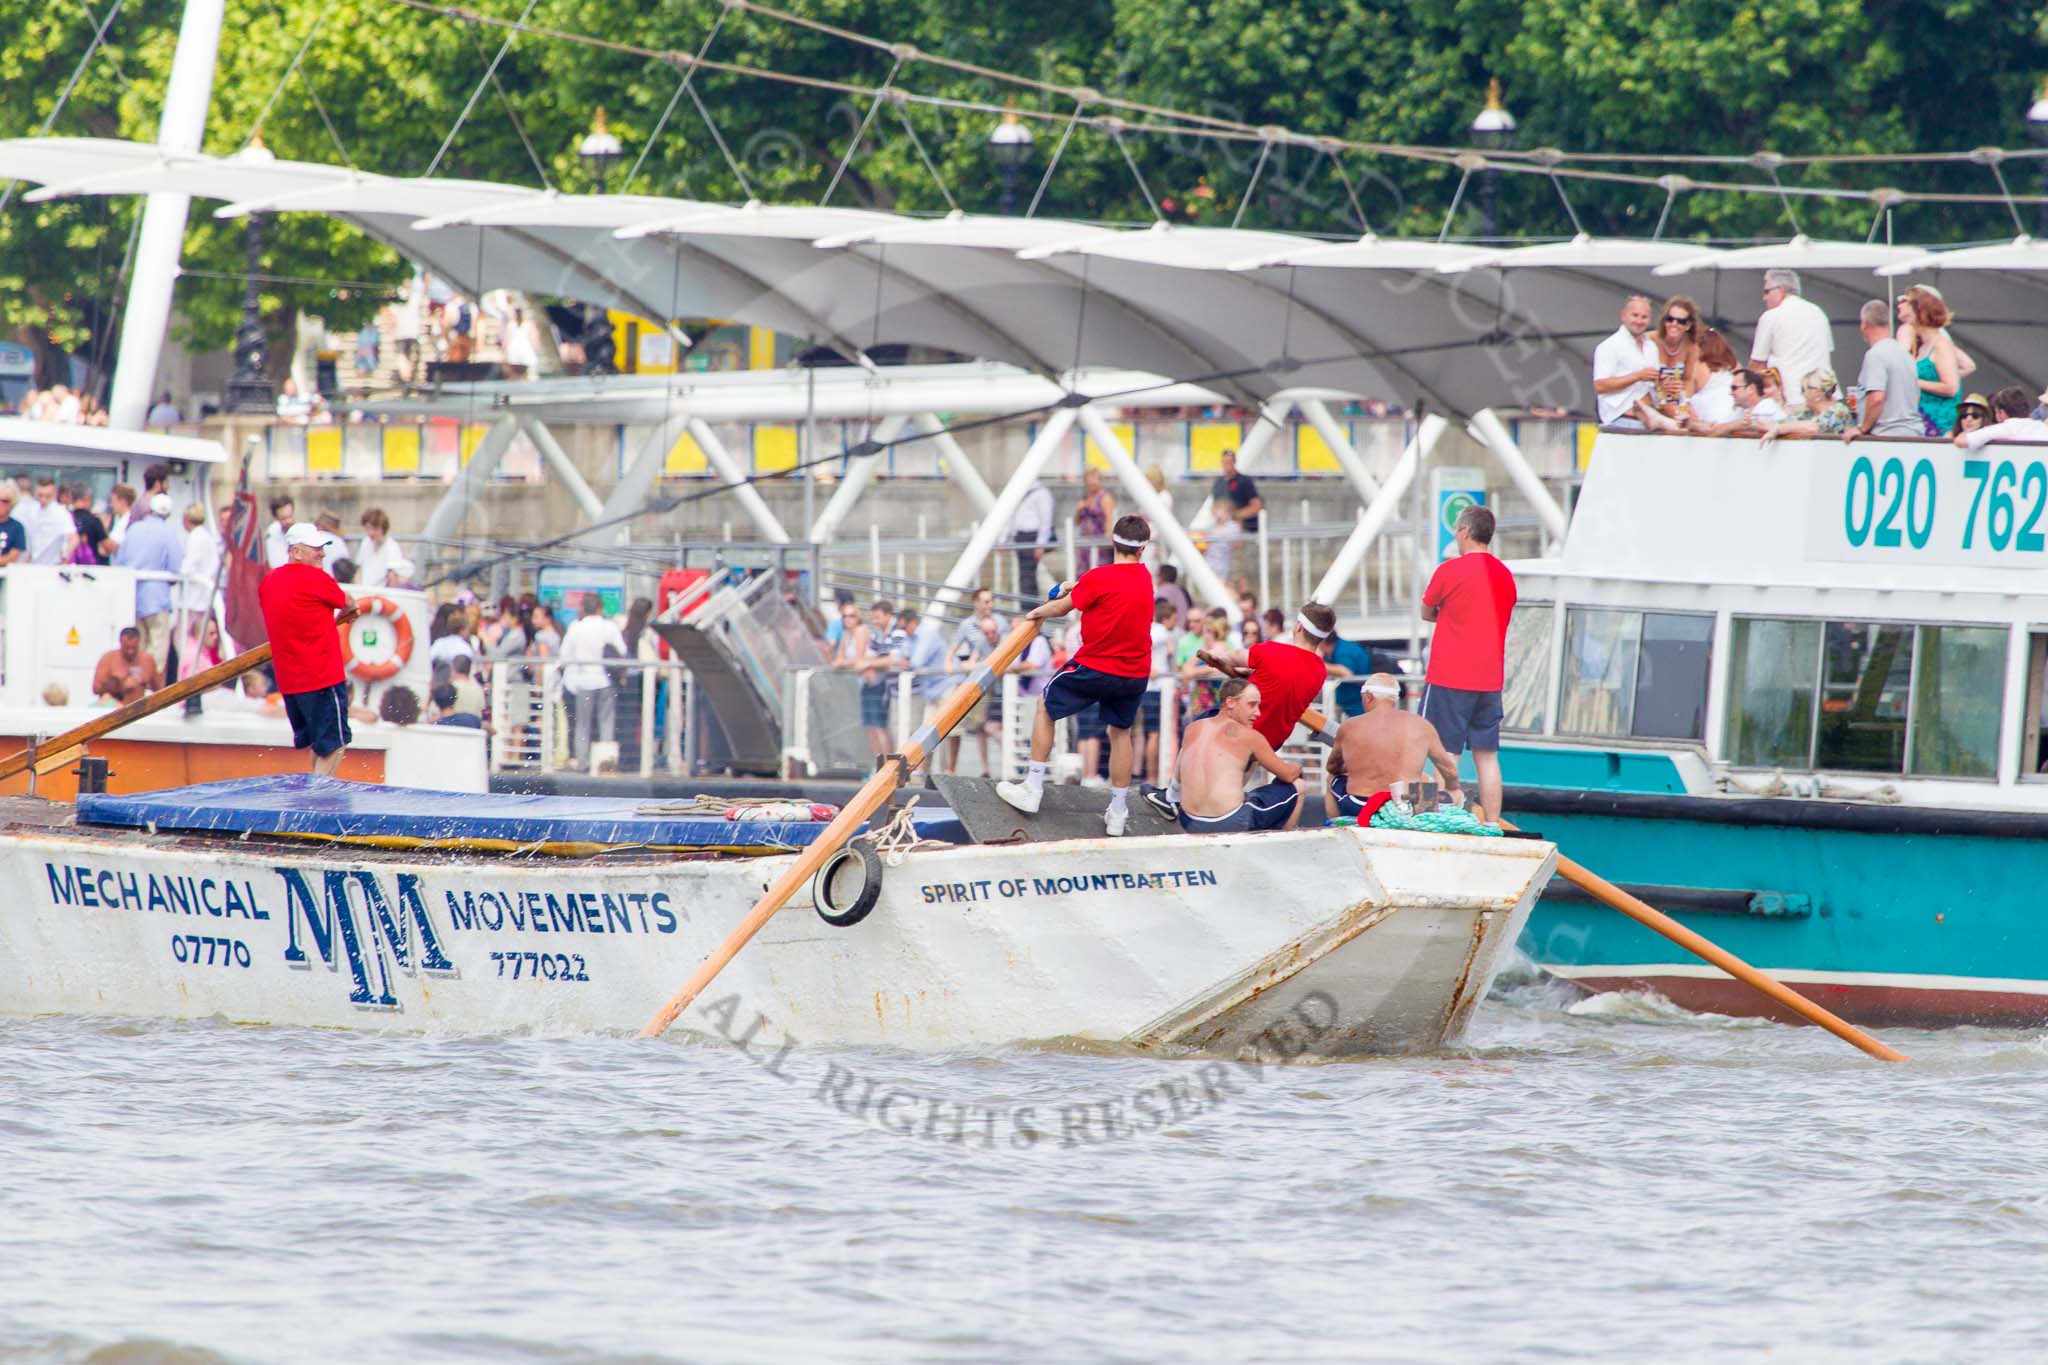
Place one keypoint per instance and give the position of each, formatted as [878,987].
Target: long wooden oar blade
[869,799]
[156,701]
[1615,898]
[136,710]
[1612,896]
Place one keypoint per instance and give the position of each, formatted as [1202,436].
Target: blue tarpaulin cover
[300,803]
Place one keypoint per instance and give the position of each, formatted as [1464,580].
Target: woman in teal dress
[1923,331]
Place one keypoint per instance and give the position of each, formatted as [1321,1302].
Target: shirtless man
[1383,746]
[1213,757]
[1288,673]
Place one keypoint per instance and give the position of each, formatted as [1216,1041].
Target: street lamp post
[2037,129]
[1492,131]
[249,386]
[599,149]
[1010,144]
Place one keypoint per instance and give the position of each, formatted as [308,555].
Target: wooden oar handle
[156,701]
[870,798]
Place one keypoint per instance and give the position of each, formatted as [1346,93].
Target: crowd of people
[1136,638]
[1683,376]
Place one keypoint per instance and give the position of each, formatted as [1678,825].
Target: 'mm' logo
[390,933]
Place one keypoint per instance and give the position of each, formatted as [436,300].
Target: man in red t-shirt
[1289,675]
[1111,669]
[1470,598]
[299,601]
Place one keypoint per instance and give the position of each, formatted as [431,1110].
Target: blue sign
[1451,491]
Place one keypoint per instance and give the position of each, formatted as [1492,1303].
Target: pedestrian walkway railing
[539,726]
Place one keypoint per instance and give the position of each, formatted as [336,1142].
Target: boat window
[1866,676]
[1772,667]
[1642,674]
[1599,671]
[1525,701]
[1671,676]
[2034,715]
[1958,697]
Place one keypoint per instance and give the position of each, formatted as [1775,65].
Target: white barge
[310,901]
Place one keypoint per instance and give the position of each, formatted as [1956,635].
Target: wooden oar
[58,750]
[865,803]
[1612,896]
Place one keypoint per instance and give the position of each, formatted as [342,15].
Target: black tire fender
[849,885]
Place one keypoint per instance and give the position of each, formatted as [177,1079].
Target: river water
[1606,1179]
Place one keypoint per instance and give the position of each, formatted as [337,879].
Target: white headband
[1308,629]
[1123,544]
[1382,690]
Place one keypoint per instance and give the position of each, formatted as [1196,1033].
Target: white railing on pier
[533,719]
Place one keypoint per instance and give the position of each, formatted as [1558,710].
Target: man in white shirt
[1031,531]
[281,510]
[1792,336]
[378,553]
[50,527]
[1625,366]
[2016,421]
[202,561]
[1752,409]
[121,508]
[585,680]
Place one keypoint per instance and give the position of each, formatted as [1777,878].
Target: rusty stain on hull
[1463,998]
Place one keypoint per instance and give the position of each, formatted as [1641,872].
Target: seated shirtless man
[1383,746]
[1213,757]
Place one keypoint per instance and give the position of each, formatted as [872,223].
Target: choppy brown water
[1622,1183]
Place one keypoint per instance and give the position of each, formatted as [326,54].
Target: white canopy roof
[1245,314]
[1801,253]
[19,436]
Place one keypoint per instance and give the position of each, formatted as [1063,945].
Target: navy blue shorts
[319,719]
[1463,720]
[1347,804]
[1075,688]
[1266,808]
[874,705]
[1148,707]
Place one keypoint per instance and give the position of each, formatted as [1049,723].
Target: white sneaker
[1115,820]
[1022,795]
[1098,780]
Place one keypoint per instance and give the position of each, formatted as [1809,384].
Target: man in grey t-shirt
[1890,381]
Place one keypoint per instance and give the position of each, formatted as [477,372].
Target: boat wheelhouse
[1794,692]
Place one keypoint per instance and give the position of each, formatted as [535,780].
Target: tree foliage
[1798,77]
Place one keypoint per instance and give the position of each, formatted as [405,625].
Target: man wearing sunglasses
[1792,336]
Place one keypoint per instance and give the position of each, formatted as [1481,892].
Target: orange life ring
[388,668]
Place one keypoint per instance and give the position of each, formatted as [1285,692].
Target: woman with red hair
[1923,331]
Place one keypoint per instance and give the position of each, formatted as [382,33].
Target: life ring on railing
[386,665]
[848,885]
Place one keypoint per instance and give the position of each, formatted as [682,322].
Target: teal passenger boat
[1793,695]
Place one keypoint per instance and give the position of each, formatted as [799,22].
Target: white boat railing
[533,718]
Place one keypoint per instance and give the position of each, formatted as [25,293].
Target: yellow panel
[1206,443]
[760,348]
[1587,432]
[402,450]
[472,437]
[1312,454]
[323,450]
[1126,435]
[774,449]
[685,457]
